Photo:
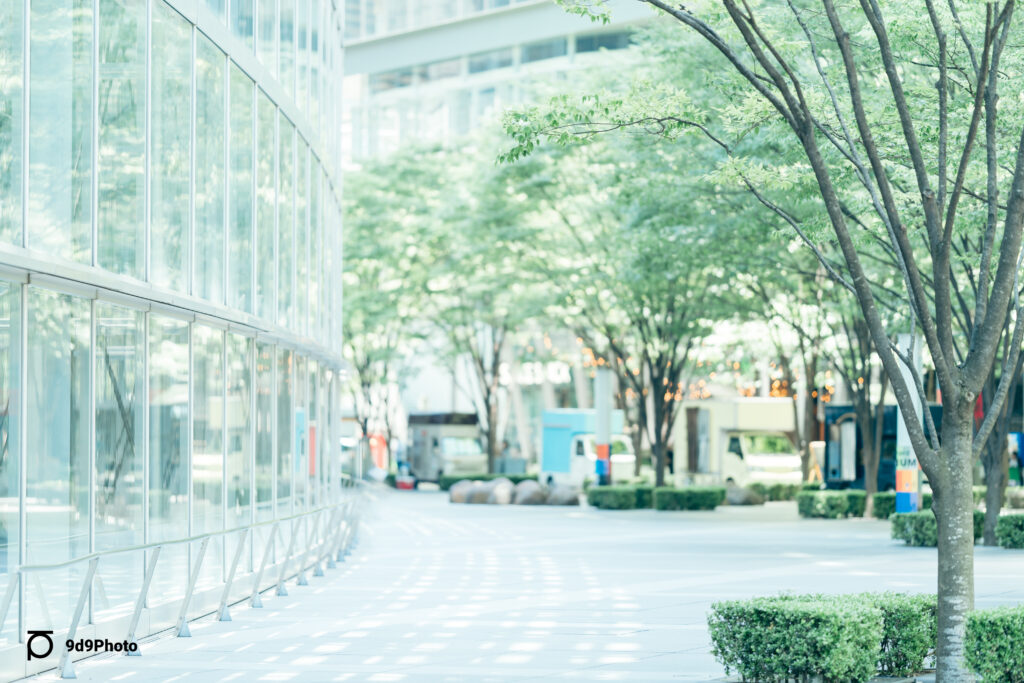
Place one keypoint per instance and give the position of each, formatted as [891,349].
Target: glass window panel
[266,208]
[302,55]
[285,435]
[57,466]
[313,438]
[240,195]
[603,41]
[168,428]
[12,23]
[60,134]
[286,223]
[241,20]
[120,484]
[238,467]
[315,250]
[207,428]
[169,166]
[210,178]
[217,7]
[314,64]
[302,238]
[286,22]
[547,49]
[264,457]
[122,70]
[495,59]
[10,474]
[267,43]
[119,415]
[301,435]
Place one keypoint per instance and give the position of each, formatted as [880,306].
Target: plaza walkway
[443,592]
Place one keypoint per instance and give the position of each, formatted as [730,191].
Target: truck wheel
[551,480]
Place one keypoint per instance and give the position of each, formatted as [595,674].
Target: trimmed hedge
[775,639]
[811,486]
[759,488]
[993,644]
[447,480]
[884,504]
[690,498]
[612,497]
[920,529]
[644,496]
[836,637]
[1010,531]
[831,504]
[782,491]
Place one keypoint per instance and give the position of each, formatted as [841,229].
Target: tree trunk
[492,431]
[868,454]
[954,512]
[995,483]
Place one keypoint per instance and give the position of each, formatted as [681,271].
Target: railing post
[317,557]
[255,600]
[281,590]
[65,666]
[331,541]
[183,630]
[300,580]
[223,613]
[141,602]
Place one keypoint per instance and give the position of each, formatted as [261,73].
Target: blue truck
[568,453]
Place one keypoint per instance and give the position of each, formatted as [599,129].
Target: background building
[170,299]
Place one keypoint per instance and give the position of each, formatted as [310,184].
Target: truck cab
[445,444]
[569,453]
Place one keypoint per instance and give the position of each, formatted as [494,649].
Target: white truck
[445,444]
[738,439]
[569,453]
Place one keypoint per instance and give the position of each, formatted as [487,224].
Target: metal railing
[333,544]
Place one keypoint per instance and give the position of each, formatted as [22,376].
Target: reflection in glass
[266,46]
[60,142]
[316,251]
[10,355]
[264,456]
[209,189]
[301,435]
[266,207]
[238,466]
[285,435]
[302,55]
[286,223]
[122,70]
[287,45]
[302,239]
[240,194]
[12,21]
[119,415]
[241,20]
[168,428]
[207,428]
[169,165]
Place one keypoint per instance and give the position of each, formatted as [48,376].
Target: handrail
[334,541]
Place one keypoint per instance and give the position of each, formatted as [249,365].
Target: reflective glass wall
[170,306]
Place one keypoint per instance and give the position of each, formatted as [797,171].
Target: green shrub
[920,528]
[782,491]
[909,631]
[759,488]
[644,496]
[811,486]
[447,479]
[689,498]
[856,501]
[883,504]
[1010,531]
[791,637]
[825,504]
[612,497]
[993,644]
[775,639]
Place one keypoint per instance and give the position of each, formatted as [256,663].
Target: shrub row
[775,491]
[920,528]
[447,480]
[689,498]
[849,637]
[1010,531]
[884,504]
[831,504]
[993,644]
[613,497]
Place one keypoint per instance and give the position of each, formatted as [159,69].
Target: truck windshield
[768,444]
[460,445]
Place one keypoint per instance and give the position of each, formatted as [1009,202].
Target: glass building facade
[170,297]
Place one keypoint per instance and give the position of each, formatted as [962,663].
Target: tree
[901,132]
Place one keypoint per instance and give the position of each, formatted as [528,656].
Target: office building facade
[170,297]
